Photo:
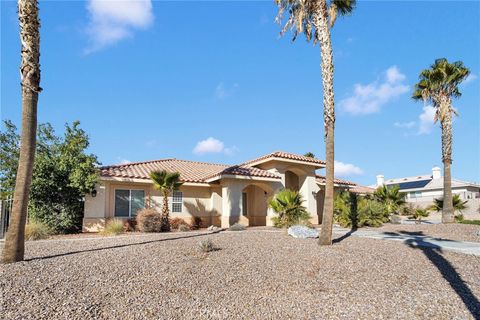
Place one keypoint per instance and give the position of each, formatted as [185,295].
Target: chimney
[436,173]
[380,180]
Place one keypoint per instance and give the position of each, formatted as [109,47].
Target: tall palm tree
[438,85]
[309,155]
[30,80]
[166,182]
[315,18]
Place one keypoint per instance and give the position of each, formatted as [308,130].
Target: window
[128,202]
[177,201]
[244,204]
[416,194]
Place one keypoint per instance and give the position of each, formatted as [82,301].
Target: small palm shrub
[149,220]
[391,198]
[288,205]
[206,245]
[237,227]
[370,213]
[418,214]
[113,227]
[459,217]
[36,230]
[458,206]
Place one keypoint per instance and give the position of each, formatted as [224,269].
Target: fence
[5,214]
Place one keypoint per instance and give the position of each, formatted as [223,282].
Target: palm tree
[14,247]
[315,18]
[438,85]
[457,204]
[309,155]
[288,204]
[419,213]
[390,197]
[166,182]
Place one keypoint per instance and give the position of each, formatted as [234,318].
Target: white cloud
[122,160]
[426,120]
[407,125]
[346,169]
[114,20]
[367,99]
[223,92]
[212,145]
[470,78]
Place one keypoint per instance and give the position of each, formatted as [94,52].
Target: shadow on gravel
[433,253]
[345,236]
[121,246]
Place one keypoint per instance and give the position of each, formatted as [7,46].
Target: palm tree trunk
[321,23]
[447,136]
[165,213]
[14,247]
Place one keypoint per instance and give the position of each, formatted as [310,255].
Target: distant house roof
[426,182]
[321,180]
[361,189]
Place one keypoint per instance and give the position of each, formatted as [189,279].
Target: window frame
[129,201]
[244,204]
[177,200]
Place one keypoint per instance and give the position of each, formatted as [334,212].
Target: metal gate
[5,214]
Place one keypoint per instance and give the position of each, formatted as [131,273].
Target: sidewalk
[415,240]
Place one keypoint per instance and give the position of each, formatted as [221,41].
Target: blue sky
[213,81]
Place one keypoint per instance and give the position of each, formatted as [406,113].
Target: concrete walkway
[414,240]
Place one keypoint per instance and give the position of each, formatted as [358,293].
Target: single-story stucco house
[218,194]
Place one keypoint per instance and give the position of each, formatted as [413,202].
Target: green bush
[418,214]
[459,217]
[35,230]
[237,227]
[113,227]
[345,210]
[288,205]
[149,220]
[370,213]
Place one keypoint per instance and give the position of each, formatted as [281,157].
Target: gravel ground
[454,231]
[254,275]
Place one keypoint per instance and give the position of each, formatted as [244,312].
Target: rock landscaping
[257,274]
[302,232]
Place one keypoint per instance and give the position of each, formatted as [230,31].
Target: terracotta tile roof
[286,155]
[361,189]
[190,171]
[247,171]
[321,180]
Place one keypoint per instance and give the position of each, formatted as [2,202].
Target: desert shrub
[237,227]
[370,213]
[395,219]
[345,210]
[459,217]
[36,230]
[418,214]
[288,205]
[183,227]
[196,223]
[113,227]
[130,225]
[149,220]
[176,222]
[206,245]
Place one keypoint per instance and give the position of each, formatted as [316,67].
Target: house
[218,194]
[423,189]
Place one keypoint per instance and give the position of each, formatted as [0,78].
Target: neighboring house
[423,189]
[218,194]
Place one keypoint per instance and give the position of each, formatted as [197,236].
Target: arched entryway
[255,204]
